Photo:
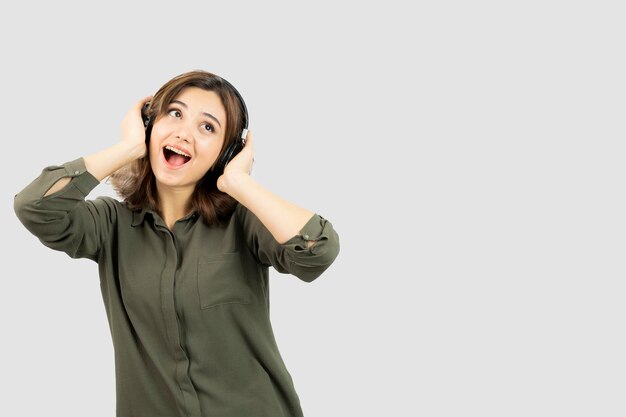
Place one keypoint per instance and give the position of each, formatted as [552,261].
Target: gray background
[469,154]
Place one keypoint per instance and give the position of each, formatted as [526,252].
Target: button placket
[189,403]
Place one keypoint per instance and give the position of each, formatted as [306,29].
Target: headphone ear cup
[231,151]
[147,121]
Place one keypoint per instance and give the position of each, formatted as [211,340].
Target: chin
[173,180]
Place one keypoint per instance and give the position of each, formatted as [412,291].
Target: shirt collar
[139,216]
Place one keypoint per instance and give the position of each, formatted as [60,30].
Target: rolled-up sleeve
[293,256]
[64,220]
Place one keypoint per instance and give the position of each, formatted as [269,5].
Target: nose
[183,133]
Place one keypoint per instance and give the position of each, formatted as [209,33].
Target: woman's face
[187,139]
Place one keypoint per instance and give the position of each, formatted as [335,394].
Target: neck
[174,203]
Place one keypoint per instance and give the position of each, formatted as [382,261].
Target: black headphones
[231,151]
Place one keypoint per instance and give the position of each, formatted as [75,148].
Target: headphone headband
[244,132]
[232,149]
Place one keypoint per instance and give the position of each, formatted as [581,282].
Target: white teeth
[178,151]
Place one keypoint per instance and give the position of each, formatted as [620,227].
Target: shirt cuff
[81,179]
[314,229]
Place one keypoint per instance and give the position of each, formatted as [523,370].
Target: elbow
[307,273]
[20,207]
[25,205]
[48,225]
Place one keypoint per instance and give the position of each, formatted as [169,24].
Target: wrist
[233,183]
[133,150]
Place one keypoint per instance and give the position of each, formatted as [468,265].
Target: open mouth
[175,157]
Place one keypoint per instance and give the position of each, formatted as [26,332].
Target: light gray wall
[469,154]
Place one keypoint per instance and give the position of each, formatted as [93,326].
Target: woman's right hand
[133,130]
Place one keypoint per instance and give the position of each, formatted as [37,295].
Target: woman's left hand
[241,164]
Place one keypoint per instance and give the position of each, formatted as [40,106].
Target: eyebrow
[204,113]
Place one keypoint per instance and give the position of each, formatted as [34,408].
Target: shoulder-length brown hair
[135,182]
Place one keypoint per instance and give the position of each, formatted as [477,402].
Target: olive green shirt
[188,308]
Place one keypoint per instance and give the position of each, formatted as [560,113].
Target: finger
[143,101]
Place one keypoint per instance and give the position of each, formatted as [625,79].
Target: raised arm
[131,147]
[290,238]
[282,218]
[53,206]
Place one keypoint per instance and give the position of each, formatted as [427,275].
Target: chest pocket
[221,280]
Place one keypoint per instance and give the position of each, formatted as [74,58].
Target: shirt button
[76,172]
[306,237]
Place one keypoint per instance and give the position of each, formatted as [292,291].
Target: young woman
[184,259]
